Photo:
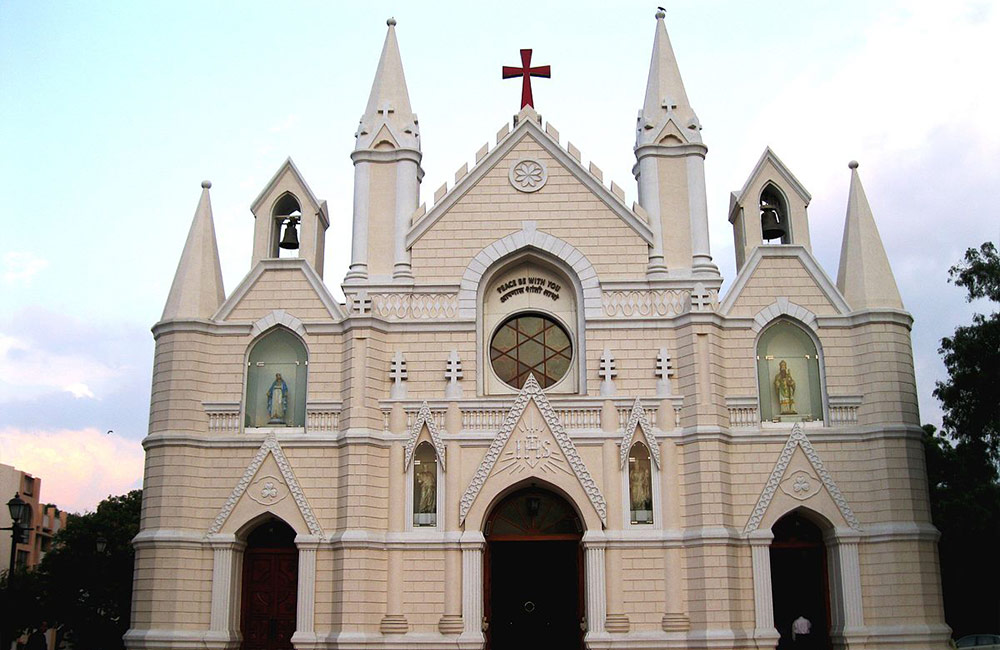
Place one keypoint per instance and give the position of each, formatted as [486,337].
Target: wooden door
[270,585]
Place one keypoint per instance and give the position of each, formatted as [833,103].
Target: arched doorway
[800,583]
[533,573]
[270,585]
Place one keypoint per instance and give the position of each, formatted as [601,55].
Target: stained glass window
[531,344]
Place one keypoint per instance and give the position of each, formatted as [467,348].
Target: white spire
[388,111]
[665,94]
[865,277]
[197,290]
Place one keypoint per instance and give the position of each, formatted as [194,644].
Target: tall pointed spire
[389,102]
[197,290]
[865,277]
[665,94]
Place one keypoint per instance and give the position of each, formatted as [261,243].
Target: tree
[86,592]
[962,460]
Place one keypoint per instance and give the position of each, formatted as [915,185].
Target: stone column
[472,543]
[594,578]
[451,622]
[359,242]
[617,620]
[845,588]
[760,555]
[649,199]
[227,566]
[407,188]
[305,607]
[701,253]
[675,616]
[394,621]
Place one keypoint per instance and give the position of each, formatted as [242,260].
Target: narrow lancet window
[640,485]
[425,485]
[774,224]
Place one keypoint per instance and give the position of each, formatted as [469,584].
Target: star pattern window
[531,344]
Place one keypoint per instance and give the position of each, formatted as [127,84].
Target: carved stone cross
[385,109]
[453,372]
[701,299]
[668,103]
[397,368]
[362,303]
[607,372]
[664,367]
[526,72]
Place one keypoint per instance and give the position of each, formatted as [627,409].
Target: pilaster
[305,606]
[763,603]
[472,543]
[227,565]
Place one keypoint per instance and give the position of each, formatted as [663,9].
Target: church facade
[536,421]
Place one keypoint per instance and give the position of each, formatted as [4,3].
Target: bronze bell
[770,226]
[290,240]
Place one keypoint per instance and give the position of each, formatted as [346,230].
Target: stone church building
[536,422]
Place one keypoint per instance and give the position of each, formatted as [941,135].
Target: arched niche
[640,485]
[425,486]
[286,213]
[277,366]
[789,373]
[775,219]
[530,322]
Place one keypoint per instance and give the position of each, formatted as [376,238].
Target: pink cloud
[78,468]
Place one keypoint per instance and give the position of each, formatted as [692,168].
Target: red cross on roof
[526,72]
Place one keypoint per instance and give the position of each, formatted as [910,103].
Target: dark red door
[270,583]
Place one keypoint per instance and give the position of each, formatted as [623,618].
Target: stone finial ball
[206,184]
[391,22]
[853,164]
[661,14]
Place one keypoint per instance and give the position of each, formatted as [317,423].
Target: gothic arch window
[276,381]
[775,223]
[286,215]
[529,323]
[425,483]
[640,485]
[788,374]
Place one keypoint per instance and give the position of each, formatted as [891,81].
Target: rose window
[531,344]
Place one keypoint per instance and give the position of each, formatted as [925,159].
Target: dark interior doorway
[270,585]
[534,573]
[800,582]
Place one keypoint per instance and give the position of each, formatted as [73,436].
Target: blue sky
[111,114]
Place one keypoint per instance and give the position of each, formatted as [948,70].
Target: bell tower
[387,175]
[670,170]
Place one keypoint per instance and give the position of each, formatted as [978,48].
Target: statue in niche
[426,500]
[277,400]
[784,388]
[639,486]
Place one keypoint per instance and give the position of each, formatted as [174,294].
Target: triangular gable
[335,310]
[769,157]
[385,135]
[270,447]
[669,129]
[797,440]
[424,417]
[809,263]
[637,419]
[528,126]
[288,167]
[532,392]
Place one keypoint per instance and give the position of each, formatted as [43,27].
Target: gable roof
[528,125]
[286,167]
[739,198]
[337,312]
[424,416]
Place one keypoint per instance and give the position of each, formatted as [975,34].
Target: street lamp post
[18,511]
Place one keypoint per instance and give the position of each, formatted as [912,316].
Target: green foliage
[962,461]
[87,593]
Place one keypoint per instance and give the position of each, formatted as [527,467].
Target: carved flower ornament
[528,175]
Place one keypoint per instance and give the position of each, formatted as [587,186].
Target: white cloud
[27,371]
[21,266]
[78,468]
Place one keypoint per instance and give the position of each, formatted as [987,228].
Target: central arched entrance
[533,573]
[800,584]
[270,586]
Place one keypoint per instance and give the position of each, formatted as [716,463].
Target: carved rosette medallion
[528,175]
[801,485]
[268,490]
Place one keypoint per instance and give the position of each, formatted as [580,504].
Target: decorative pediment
[769,164]
[802,483]
[532,453]
[288,178]
[424,418]
[269,489]
[305,275]
[638,420]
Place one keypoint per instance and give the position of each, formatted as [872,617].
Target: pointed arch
[424,417]
[279,318]
[638,419]
[784,307]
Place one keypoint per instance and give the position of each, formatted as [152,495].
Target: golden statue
[784,387]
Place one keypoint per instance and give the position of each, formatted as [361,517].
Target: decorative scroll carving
[642,304]
[400,306]
[532,391]
[269,446]
[638,419]
[424,416]
[798,439]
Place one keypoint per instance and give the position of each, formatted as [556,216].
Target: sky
[112,113]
